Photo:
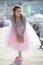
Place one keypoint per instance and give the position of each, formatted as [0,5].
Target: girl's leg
[19,58]
[20,54]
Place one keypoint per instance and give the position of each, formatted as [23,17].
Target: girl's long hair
[14,9]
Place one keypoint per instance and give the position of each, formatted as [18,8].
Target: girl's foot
[18,59]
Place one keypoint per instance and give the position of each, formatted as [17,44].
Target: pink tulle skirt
[31,40]
[12,42]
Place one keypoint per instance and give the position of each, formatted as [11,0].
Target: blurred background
[33,9]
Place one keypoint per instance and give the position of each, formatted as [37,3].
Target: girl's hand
[20,39]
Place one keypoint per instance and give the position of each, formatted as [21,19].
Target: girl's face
[18,12]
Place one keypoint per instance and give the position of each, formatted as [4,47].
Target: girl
[21,35]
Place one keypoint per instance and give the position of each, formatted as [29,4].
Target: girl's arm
[14,26]
[24,26]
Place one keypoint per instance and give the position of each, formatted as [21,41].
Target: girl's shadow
[16,63]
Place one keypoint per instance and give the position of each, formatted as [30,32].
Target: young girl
[21,35]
